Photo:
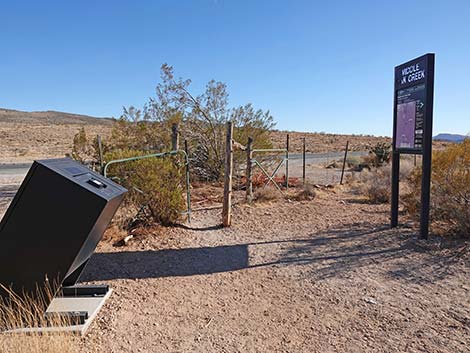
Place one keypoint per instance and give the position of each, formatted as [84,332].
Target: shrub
[85,150]
[379,154]
[28,312]
[450,188]
[375,184]
[267,194]
[354,163]
[203,118]
[136,131]
[82,148]
[155,183]
[306,193]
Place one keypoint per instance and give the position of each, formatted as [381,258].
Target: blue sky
[316,65]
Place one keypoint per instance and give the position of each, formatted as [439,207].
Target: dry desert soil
[326,275]
[25,136]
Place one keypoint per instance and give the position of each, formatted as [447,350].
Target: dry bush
[406,168]
[156,186]
[28,312]
[355,163]
[306,193]
[450,189]
[84,149]
[202,120]
[267,194]
[374,184]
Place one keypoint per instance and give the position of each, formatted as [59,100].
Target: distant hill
[50,118]
[25,136]
[450,137]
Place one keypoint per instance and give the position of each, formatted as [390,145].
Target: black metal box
[54,224]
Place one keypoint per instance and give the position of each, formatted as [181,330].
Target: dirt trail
[319,276]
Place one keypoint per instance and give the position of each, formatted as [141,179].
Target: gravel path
[316,276]
[319,276]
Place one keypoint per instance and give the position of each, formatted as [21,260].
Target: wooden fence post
[249,180]
[100,151]
[344,162]
[175,138]
[227,205]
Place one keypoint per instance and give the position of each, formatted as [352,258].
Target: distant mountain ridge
[450,137]
[50,117]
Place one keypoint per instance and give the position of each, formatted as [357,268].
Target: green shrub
[450,189]
[155,183]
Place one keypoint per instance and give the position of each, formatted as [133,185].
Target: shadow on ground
[166,263]
[333,253]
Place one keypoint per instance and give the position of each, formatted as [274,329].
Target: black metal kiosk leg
[395,188]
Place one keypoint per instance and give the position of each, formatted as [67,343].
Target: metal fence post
[287,162]
[188,184]
[303,161]
[249,180]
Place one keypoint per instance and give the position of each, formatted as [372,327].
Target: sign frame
[414,82]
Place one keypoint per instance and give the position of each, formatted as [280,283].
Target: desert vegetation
[450,190]
[450,187]
[313,256]
[27,311]
[157,185]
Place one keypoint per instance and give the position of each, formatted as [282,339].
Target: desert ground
[25,136]
[326,275]
[323,275]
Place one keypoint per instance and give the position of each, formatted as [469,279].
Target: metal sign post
[412,128]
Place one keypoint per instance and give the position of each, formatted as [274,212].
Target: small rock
[370,301]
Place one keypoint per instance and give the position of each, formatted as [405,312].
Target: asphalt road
[294,158]
[14,169]
[321,158]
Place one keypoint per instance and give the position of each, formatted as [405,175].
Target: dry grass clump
[267,194]
[19,312]
[374,184]
[450,189]
[306,193]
